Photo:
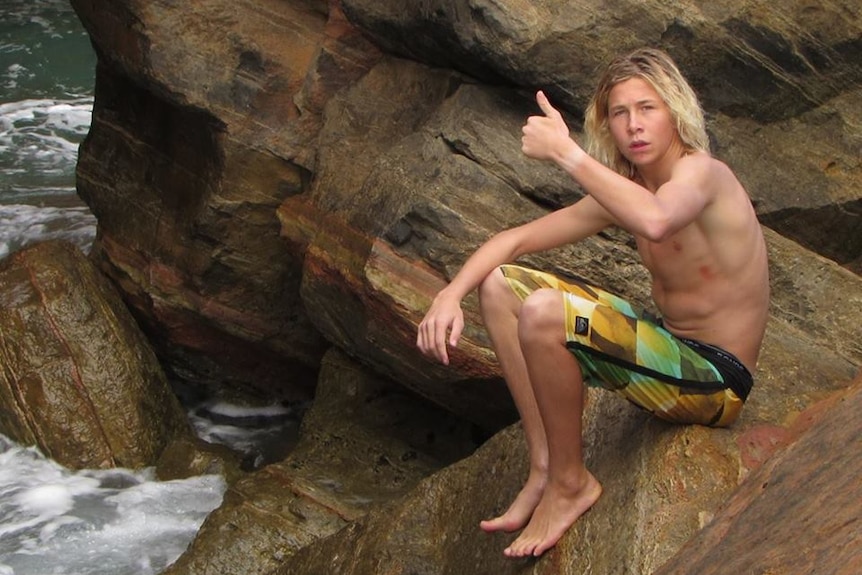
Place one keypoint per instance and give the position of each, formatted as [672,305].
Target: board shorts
[625,350]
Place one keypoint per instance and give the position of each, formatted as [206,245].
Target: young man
[649,171]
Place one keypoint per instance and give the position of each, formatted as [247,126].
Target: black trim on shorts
[733,371]
[735,375]
[659,375]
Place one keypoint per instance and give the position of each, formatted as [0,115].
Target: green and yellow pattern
[620,349]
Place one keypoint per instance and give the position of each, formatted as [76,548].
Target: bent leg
[500,309]
[559,394]
[626,350]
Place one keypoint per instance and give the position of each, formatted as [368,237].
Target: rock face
[770,77]
[209,121]
[78,379]
[185,164]
[662,485]
[273,179]
[737,541]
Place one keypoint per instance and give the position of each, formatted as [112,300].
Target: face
[641,124]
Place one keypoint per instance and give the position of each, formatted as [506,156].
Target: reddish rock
[274,178]
[797,513]
[78,380]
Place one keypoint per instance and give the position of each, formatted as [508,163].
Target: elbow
[657,229]
[513,243]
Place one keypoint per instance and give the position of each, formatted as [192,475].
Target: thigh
[620,349]
[647,365]
[524,281]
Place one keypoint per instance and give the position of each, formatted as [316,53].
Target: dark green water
[47,70]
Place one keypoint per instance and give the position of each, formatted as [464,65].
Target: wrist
[569,154]
[447,294]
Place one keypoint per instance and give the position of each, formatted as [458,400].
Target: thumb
[545,105]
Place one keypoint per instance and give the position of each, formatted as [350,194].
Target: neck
[652,176]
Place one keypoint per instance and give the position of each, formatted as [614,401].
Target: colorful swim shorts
[622,349]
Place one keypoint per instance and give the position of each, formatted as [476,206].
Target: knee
[542,317]
[493,290]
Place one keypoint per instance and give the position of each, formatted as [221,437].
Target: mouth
[638,145]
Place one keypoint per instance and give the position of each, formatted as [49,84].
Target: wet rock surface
[78,378]
[281,187]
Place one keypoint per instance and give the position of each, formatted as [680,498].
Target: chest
[682,257]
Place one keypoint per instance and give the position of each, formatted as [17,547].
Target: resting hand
[545,137]
[444,320]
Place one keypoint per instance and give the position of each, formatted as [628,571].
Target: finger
[422,339]
[545,105]
[440,350]
[455,334]
[426,339]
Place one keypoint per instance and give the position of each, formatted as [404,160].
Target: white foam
[50,499]
[234,410]
[55,521]
[44,131]
[22,225]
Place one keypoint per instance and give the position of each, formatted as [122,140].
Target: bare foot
[555,513]
[521,509]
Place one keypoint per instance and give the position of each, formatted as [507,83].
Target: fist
[544,137]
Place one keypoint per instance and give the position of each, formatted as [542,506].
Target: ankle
[572,483]
[538,472]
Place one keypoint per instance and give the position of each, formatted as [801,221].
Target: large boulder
[273,178]
[663,484]
[771,77]
[204,122]
[766,527]
[747,59]
[209,119]
[79,380]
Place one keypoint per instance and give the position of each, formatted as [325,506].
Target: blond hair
[659,70]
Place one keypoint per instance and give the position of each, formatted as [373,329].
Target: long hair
[659,70]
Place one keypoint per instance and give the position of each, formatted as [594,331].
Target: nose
[634,123]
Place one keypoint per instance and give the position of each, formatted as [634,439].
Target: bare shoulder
[712,175]
[726,183]
[702,166]
[720,170]
[730,208]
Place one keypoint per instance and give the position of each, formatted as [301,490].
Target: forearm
[500,249]
[634,207]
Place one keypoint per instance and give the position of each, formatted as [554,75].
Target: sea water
[46,97]
[120,522]
[54,520]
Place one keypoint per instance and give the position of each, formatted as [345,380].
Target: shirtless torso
[710,278]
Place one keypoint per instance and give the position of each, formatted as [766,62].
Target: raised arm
[444,321]
[681,190]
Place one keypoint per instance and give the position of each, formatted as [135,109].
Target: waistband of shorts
[736,375]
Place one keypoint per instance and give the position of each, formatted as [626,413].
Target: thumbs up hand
[545,137]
